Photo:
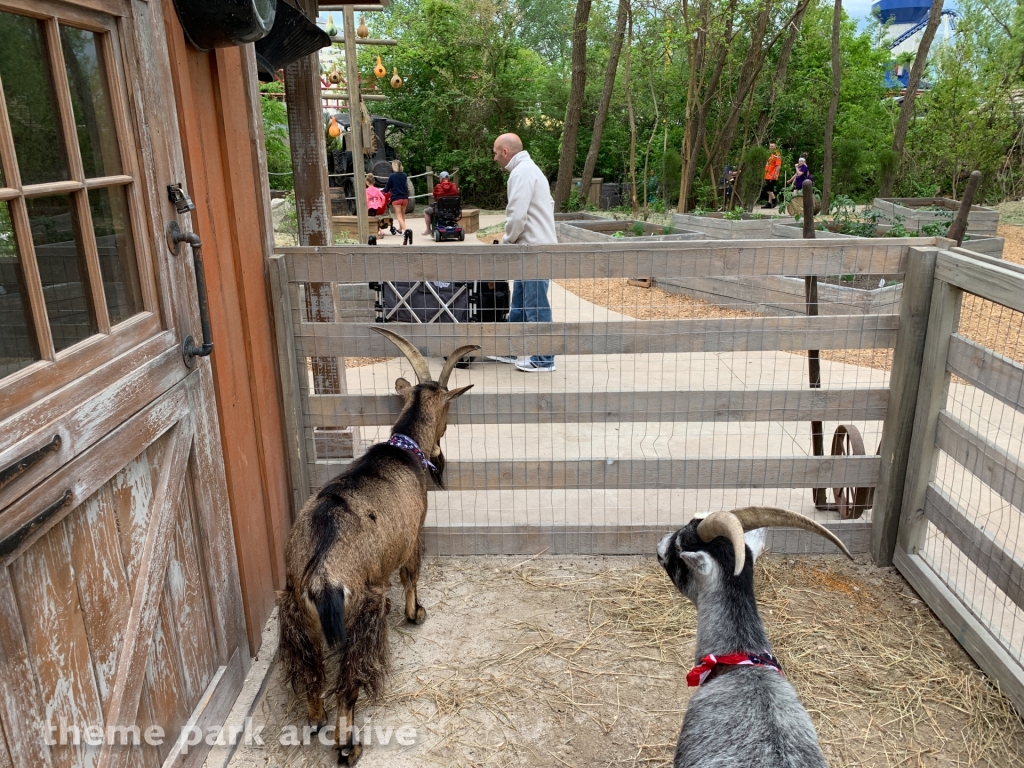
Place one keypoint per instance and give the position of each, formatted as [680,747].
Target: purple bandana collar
[406,443]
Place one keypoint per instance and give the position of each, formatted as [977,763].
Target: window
[69,257]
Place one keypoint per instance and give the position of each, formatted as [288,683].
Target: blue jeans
[530,305]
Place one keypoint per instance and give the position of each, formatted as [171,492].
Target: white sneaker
[503,359]
[530,367]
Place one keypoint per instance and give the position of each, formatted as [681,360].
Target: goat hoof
[420,617]
[317,726]
[350,754]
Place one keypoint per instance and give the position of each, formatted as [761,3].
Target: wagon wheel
[850,502]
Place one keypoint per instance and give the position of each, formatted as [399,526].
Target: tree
[574,110]
[907,107]
[606,95]
[833,106]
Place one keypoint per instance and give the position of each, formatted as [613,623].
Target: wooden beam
[1004,570]
[679,259]
[631,337]
[995,283]
[988,371]
[614,407]
[987,461]
[355,123]
[904,384]
[464,541]
[640,474]
[363,40]
[969,632]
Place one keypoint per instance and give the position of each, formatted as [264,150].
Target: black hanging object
[221,23]
[292,37]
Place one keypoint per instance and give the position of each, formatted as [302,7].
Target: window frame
[53,369]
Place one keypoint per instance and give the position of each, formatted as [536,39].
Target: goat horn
[728,525]
[773,517]
[453,358]
[419,364]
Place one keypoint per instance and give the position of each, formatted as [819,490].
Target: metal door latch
[175,237]
[182,203]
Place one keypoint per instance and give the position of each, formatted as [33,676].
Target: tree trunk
[833,107]
[632,116]
[907,107]
[606,96]
[572,114]
[779,81]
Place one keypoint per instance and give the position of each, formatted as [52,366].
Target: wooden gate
[961,539]
[119,596]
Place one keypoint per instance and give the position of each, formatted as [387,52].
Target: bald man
[529,219]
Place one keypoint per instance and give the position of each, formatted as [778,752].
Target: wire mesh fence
[661,406]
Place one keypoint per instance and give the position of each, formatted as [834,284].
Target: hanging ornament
[396,81]
[334,77]
[379,70]
[334,130]
[362,30]
[331,29]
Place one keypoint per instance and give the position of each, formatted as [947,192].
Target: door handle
[16,539]
[11,473]
[189,350]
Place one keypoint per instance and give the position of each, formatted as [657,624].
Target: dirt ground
[572,662]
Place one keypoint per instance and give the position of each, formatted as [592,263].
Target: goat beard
[438,474]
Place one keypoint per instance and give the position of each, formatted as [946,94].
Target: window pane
[57,236]
[118,262]
[17,333]
[90,97]
[31,102]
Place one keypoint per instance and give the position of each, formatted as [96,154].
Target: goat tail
[301,656]
[330,607]
[365,661]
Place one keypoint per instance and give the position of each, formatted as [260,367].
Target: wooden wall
[219,114]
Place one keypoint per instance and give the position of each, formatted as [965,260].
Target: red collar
[709,664]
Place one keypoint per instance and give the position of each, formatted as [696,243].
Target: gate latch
[182,203]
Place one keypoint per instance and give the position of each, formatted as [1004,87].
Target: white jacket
[530,213]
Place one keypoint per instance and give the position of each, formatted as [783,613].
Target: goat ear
[403,387]
[453,393]
[756,541]
[700,563]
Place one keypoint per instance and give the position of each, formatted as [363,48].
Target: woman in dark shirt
[398,186]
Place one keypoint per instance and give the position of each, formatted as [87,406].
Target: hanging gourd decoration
[396,81]
[362,30]
[379,70]
[334,77]
[331,30]
[334,130]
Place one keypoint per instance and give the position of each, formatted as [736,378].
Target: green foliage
[752,175]
[638,229]
[736,214]
[275,135]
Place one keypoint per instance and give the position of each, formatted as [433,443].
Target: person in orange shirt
[444,188]
[771,174]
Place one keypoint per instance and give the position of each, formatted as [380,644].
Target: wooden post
[355,121]
[904,384]
[430,185]
[958,228]
[813,360]
[943,315]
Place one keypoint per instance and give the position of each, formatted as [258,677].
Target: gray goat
[745,714]
[346,542]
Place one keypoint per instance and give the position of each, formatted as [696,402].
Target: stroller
[385,221]
[444,224]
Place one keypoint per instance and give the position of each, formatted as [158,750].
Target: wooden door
[119,599]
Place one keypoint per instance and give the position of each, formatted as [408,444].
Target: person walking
[444,188]
[530,219]
[771,174]
[398,186]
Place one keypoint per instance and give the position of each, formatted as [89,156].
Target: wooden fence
[317,406]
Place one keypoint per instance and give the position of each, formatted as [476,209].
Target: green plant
[752,175]
[936,228]
[275,136]
[668,229]
[887,162]
[736,214]
[620,233]
[638,229]
[898,229]
[577,200]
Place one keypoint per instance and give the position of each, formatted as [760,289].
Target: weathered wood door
[119,596]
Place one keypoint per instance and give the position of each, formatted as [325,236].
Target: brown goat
[347,541]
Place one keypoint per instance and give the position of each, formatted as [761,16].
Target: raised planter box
[578,216]
[717,227]
[981,220]
[603,231]
[985,244]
